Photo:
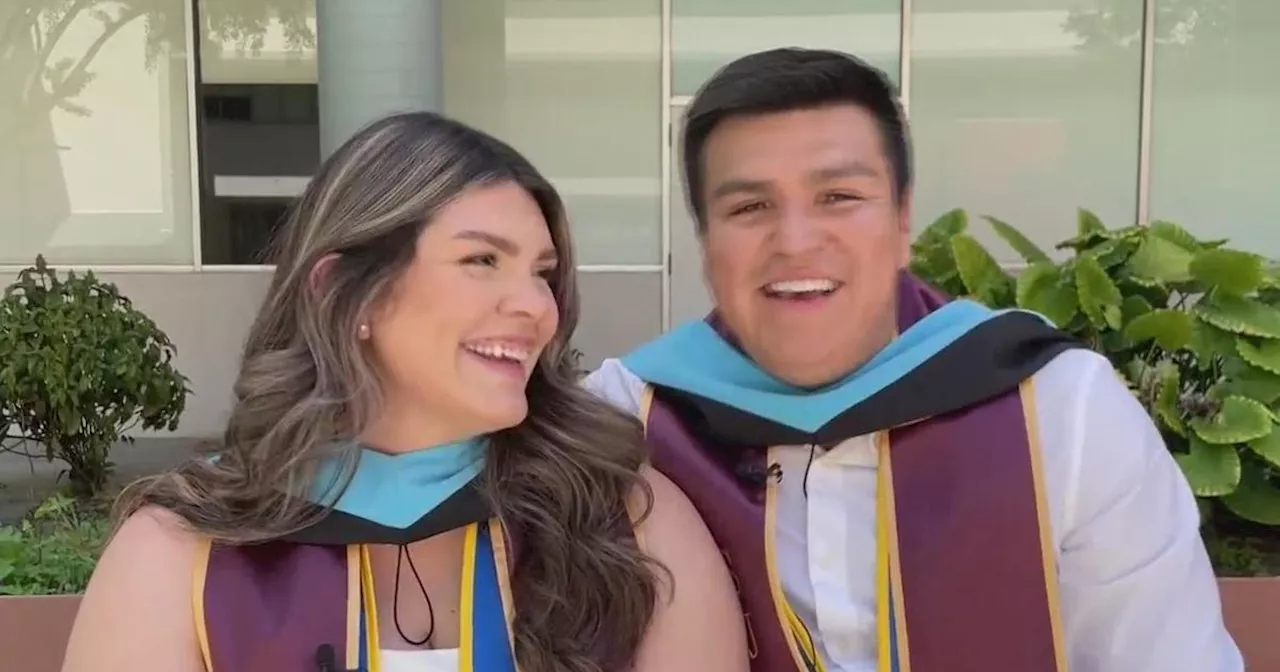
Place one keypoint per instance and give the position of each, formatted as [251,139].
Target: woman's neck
[395,433]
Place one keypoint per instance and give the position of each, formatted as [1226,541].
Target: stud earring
[362,332]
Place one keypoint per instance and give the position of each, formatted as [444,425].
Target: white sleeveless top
[429,660]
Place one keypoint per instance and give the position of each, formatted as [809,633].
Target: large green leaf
[980,272]
[1212,470]
[1170,328]
[1160,260]
[1134,306]
[944,228]
[1263,354]
[1029,251]
[1176,235]
[1155,295]
[1113,252]
[939,271]
[936,268]
[1240,316]
[1112,341]
[1229,271]
[1040,288]
[1148,283]
[931,257]
[1255,498]
[1087,222]
[1099,297]
[1268,447]
[1209,342]
[1239,420]
[1089,232]
[1248,381]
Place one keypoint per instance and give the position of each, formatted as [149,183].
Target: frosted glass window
[1026,110]
[95,166]
[1215,125]
[707,34]
[577,87]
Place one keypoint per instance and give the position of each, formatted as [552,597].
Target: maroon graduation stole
[284,605]
[306,601]
[967,578]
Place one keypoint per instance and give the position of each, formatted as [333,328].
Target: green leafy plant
[1192,325]
[81,367]
[53,550]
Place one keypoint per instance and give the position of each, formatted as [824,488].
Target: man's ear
[318,279]
[904,230]
[706,259]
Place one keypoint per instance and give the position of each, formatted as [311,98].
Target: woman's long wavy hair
[560,481]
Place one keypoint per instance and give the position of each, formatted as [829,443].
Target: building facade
[158,142]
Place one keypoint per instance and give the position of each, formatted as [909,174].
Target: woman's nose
[532,298]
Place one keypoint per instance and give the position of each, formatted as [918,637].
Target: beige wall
[207,315]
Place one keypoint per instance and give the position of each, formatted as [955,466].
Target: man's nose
[797,232]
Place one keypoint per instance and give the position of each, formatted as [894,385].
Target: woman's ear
[318,280]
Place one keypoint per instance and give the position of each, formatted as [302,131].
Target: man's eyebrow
[736,186]
[853,168]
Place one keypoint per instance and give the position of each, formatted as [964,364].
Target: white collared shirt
[1138,593]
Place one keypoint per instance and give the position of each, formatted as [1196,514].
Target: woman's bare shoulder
[152,537]
[137,611]
[157,525]
[671,525]
[667,507]
[698,623]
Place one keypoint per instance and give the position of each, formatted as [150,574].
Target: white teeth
[500,352]
[801,286]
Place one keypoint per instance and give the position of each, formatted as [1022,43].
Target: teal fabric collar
[695,359]
[398,490]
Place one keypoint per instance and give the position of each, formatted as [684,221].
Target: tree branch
[92,52]
[45,51]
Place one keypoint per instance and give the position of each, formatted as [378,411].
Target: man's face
[804,241]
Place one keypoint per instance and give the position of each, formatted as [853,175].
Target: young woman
[412,479]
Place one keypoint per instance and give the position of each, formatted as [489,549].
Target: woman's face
[459,335]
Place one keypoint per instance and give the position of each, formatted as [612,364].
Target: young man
[899,482]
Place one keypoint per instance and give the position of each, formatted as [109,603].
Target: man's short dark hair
[782,80]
